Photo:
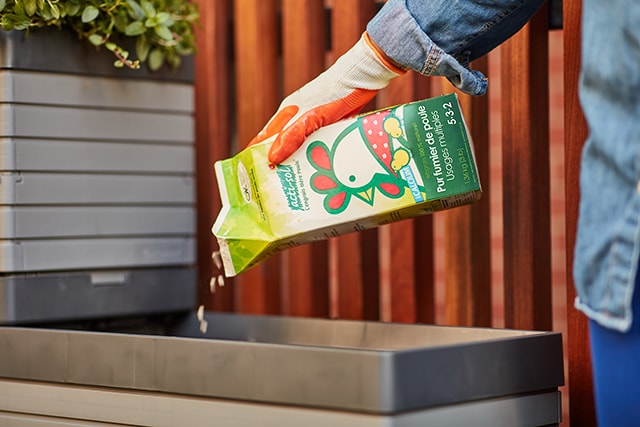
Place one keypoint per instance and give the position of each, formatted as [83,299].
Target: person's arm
[441,37]
[434,38]
[342,90]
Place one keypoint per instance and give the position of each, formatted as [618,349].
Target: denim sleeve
[441,37]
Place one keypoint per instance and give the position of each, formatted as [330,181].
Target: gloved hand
[340,91]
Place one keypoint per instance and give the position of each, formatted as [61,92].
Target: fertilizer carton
[358,173]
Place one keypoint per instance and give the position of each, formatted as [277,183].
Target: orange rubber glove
[340,91]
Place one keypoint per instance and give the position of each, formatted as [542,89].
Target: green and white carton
[358,173]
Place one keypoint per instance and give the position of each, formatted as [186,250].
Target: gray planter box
[96,171]
[279,371]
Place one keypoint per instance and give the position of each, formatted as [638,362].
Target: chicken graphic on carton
[376,169]
[358,173]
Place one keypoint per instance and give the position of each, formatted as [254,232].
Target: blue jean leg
[616,371]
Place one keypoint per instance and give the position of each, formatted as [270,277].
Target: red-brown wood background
[251,53]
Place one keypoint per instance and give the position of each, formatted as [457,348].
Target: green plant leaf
[156,59]
[15,22]
[18,9]
[151,22]
[72,8]
[174,60]
[136,10]
[163,32]
[148,8]
[163,18]
[55,11]
[183,50]
[96,39]
[120,21]
[143,46]
[6,23]
[90,13]
[135,29]
[30,6]
[97,22]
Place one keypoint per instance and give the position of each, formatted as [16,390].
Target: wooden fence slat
[396,251]
[257,97]
[424,272]
[423,243]
[305,276]
[354,257]
[527,248]
[304,36]
[397,278]
[580,378]
[212,99]
[467,245]
[406,253]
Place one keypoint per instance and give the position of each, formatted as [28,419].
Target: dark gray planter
[97,175]
[54,50]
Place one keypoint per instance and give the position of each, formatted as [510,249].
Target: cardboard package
[358,173]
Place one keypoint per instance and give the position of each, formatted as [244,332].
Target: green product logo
[289,184]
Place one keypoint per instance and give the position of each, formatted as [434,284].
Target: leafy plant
[163,30]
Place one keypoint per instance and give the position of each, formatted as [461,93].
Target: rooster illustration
[361,169]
